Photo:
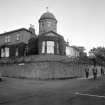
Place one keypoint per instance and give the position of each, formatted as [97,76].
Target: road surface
[52,92]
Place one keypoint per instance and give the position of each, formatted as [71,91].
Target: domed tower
[47,22]
[49,41]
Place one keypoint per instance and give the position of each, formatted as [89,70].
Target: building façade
[23,42]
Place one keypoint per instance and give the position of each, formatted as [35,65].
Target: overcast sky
[82,22]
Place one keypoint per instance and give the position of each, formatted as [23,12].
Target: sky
[81,22]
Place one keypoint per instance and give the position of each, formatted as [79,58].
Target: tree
[82,52]
[99,54]
[32,46]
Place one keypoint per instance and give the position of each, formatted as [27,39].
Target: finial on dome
[47,15]
[47,8]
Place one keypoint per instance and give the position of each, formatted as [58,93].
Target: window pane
[17,37]
[16,52]
[2,52]
[43,47]
[50,47]
[6,52]
[8,38]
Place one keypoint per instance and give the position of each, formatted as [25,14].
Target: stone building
[14,43]
[49,41]
[72,51]
[75,51]
[22,41]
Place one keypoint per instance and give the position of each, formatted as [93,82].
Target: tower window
[49,24]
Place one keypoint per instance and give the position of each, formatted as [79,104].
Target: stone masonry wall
[44,69]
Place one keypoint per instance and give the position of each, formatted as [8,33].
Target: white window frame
[50,47]
[43,47]
[2,53]
[7,39]
[18,37]
[7,53]
[17,52]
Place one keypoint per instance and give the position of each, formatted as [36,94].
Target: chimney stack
[32,29]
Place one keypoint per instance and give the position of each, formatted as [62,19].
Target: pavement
[90,77]
[80,91]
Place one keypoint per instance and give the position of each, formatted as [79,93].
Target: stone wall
[44,69]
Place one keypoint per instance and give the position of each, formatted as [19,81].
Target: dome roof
[47,15]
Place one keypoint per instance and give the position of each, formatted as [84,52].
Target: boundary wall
[44,67]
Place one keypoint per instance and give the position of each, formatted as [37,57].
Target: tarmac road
[52,92]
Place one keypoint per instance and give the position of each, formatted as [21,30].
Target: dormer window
[18,37]
[7,39]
